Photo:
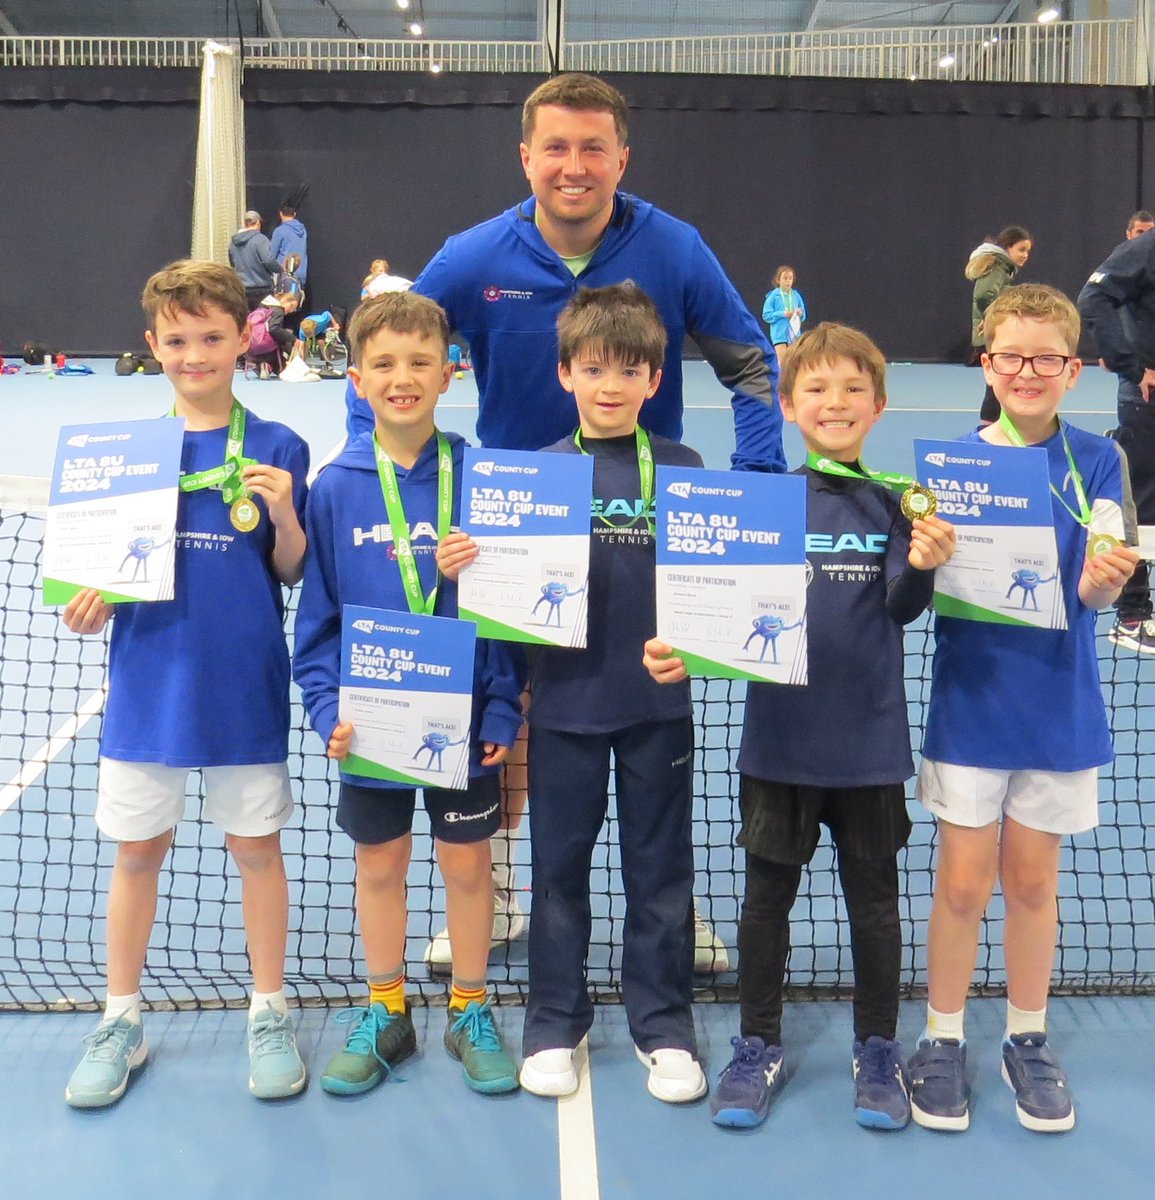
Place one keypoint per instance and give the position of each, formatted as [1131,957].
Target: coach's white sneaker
[550,1073]
[675,1075]
[710,957]
[508,926]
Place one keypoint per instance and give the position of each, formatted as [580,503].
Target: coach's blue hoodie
[290,237]
[350,560]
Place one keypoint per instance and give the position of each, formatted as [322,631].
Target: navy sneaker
[745,1088]
[1042,1101]
[939,1097]
[881,1098]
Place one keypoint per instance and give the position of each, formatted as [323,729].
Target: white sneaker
[550,1073]
[675,1075]
[710,957]
[508,926]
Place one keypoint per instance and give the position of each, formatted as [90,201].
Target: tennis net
[54,868]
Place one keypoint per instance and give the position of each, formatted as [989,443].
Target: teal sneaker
[474,1040]
[378,1041]
[275,1067]
[115,1050]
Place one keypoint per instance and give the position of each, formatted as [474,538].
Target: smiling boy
[399,342]
[837,751]
[1005,790]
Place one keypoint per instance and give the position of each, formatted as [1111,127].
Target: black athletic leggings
[870,887]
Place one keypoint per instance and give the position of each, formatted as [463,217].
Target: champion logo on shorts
[454,818]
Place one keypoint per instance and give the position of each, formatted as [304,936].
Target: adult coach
[1118,307]
[251,256]
[504,282]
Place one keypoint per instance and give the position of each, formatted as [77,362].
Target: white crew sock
[118,1007]
[274,1000]
[1021,1020]
[944,1026]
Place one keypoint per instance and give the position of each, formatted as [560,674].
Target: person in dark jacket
[251,256]
[991,267]
[1117,305]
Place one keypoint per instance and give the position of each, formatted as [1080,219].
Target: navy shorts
[371,815]
[782,822]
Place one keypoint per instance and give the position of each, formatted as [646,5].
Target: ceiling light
[435,68]
[947,60]
[402,4]
[1047,15]
[416,29]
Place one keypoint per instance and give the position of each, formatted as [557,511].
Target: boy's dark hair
[826,342]
[401,312]
[582,93]
[1034,302]
[616,322]
[190,285]
[779,273]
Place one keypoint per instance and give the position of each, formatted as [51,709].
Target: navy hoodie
[350,560]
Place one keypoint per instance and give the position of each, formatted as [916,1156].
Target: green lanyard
[645,472]
[399,526]
[226,477]
[827,466]
[1083,516]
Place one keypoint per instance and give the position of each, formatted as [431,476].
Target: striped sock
[465,992]
[388,990]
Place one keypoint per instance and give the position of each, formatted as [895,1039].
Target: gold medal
[917,502]
[1101,543]
[244,514]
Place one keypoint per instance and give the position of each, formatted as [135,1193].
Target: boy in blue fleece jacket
[400,344]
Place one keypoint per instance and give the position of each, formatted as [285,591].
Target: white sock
[1021,1020]
[940,1026]
[118,1007]
[502,851]
[274,1000]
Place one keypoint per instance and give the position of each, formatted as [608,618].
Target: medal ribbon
[1083,516]
[399,525]
[226,477]
[645,472]
[828,466]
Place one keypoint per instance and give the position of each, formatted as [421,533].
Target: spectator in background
[991,266]
[379,281]
[291,237]
[251,256]
[1117,305]
[784,311]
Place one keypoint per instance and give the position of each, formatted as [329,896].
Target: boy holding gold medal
[181,675]
[835,752]
[1017,730]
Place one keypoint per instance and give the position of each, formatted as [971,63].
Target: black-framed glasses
[1046,366]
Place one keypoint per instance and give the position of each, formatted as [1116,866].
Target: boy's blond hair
[1035,302]
[190,286]
[618,322]
[400,312]
[580,92]
[827,342]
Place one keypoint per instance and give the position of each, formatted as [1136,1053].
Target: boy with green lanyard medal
[835,752]
[166,711]
[377,515]
[1017,730]
[228,478]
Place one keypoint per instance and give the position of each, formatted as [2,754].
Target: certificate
[112,511]
[529,514]
[731,563]
[407,688]
[1005,568]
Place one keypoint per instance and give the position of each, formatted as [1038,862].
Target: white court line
[32,768]
[576,1144]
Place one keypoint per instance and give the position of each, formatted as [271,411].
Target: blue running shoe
[939,1097]
[378,1041]
[473,1038]
[275,1067]
[745,1088]
[115,1050]
[1042,1101]
[881,1098]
